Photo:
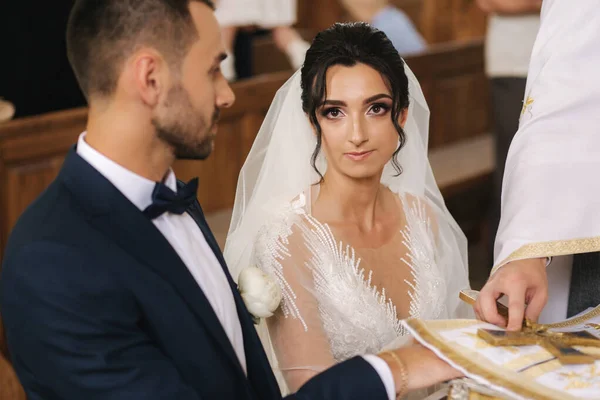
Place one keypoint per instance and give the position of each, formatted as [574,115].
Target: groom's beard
[185,130]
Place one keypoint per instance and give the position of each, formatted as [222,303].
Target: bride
[338,203]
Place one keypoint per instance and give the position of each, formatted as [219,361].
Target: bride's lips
[359,155]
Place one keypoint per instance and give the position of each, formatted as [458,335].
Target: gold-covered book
[558,361]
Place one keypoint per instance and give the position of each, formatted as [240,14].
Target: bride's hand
[423,368]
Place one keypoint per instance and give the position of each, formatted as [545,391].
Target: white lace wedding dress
[337,299]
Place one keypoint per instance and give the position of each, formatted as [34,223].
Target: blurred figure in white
[279,16]
[390,20]
[7,110]
[512,28]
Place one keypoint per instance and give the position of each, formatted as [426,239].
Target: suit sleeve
[354,379]
[76,332]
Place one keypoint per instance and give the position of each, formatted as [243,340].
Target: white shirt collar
[136,188]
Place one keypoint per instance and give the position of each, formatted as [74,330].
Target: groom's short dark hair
[102,34]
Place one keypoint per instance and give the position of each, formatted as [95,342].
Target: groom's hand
[525,283]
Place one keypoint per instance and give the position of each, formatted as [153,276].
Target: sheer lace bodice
[338,295]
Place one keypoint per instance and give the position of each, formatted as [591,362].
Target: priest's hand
[525,283]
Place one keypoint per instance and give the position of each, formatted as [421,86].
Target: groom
[113,286]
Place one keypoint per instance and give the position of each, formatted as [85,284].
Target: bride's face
[358,136]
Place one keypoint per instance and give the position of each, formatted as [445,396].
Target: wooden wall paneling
[250,125]
[449,20]
[237,131]
[469,21]
[25,182]
[412,8]
[28,138]
[316,15]
[449,123]
[31,152]
[218,173]
[462,121]
[456,89]
[436,20]
[10,387]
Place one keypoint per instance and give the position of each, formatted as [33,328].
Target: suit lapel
[198,215]
[110,212]
[243,314]
[259,370]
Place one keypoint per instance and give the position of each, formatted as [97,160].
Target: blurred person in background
[278,16]
[392,21]
[512,28]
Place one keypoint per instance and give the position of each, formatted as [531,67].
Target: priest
[547,245]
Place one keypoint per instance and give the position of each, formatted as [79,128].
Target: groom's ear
[403,117]
[148,75]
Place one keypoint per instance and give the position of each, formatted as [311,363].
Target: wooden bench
[463,164]
[10,388]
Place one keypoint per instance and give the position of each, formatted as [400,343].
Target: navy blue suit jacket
[97,305]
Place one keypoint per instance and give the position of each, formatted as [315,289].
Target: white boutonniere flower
[260,292]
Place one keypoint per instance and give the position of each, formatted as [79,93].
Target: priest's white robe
[551,189]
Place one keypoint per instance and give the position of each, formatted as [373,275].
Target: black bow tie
[165,200]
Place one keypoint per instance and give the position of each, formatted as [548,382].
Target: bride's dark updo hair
[349,44]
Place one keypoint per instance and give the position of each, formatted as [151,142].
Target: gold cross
[559,344]
[481,344]
[526,104]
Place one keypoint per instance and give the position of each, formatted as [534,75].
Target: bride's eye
[379,109]
[332,113]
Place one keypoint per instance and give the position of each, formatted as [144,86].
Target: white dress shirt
[188,241]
